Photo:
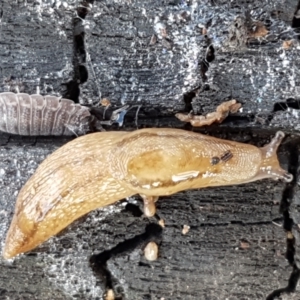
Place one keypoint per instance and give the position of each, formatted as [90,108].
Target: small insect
[37,115]
[226,156]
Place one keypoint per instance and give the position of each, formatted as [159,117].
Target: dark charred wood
[243,241]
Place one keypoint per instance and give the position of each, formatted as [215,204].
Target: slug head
[269,167]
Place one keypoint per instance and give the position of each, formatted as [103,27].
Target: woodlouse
[34,115]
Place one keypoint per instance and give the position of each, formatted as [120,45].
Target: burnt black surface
[108,51]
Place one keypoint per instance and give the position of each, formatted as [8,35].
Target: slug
[101,168]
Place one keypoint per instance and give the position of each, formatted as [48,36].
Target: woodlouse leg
[71,129]
[149,205]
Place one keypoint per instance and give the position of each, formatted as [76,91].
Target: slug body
[101,168]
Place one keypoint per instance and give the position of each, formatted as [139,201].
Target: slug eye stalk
[270,165]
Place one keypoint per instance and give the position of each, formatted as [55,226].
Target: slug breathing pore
[99,169]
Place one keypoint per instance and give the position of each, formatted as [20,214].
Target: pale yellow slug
[101,168]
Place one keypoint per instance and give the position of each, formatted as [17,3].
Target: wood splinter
[151,251]
[221,113]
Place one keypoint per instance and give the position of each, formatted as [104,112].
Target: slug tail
[27,232]
[70,183]
[270,167]
[10,249]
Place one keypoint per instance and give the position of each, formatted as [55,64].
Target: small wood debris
[105,102]
[244,245]
[221,113]
[110,295]
[166,44]
[289,235]
[287,44]
[151,251]
[185,229]
[153,40]
[257,30]
[161,222]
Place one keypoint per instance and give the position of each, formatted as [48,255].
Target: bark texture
[160,57]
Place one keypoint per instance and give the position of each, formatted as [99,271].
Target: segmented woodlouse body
[34,115]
